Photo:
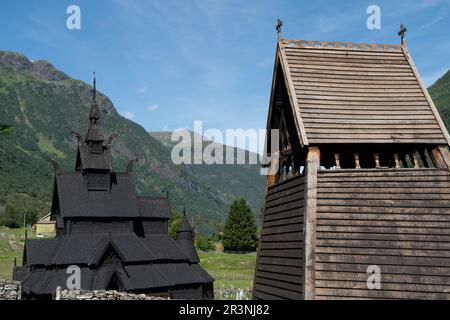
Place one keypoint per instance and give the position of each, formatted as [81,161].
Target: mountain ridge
[41,103]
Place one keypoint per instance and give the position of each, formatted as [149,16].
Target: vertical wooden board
[309,224]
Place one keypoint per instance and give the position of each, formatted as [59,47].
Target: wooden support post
[416,160]
[271,180]
[309,222]
[295,168]
[377,160]
[445,155]
[357,164]
[274,169]
[441,157]
[397,161]
[422,156]
[338,163]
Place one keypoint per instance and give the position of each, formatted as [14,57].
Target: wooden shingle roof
[65,250]
[357,93]
[76,201]
[154,207]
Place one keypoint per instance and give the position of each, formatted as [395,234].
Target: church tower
[118,239]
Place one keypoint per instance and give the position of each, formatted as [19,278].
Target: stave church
[117,239]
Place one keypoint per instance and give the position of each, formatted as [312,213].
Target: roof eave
[282,59]
[427,95]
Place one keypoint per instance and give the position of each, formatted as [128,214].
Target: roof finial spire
[279,26]
[94,90]
[94,132]
[401,33]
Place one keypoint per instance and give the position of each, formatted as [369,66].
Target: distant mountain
[231,180]
[41,103]
[440,92]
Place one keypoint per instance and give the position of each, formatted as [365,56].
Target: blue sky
[167,63]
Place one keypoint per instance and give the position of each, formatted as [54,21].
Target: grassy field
[11,246]
[231,271]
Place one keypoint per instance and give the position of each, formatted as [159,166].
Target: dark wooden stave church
[363,180]
[119,240]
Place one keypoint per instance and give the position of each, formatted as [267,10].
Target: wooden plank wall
[279,272]
[396,219]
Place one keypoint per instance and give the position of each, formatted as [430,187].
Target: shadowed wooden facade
[116,239]
[362,177]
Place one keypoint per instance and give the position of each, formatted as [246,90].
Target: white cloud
[141,89]
[153,107]
[429,3]
[128,115]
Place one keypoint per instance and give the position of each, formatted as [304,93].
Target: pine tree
[239,233]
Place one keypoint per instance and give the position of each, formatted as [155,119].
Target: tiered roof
[108,231]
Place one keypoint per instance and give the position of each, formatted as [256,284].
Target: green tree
[204,243]
[5,129]
[239,233]
[11,218]
[174,223]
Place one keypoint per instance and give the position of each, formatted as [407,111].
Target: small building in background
[45,226]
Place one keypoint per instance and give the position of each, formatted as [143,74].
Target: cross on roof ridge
[402,32]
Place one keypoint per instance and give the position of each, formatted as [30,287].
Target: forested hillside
[42,103]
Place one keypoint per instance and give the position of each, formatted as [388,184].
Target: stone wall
[223,293]
[10,290]
[101,295]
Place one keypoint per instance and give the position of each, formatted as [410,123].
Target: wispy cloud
[128,115]
[141,90]
[153,107]
[332,21]
[432,22]
[429,3]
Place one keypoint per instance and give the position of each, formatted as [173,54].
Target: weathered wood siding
[396,219]
[369,94]
[279,272]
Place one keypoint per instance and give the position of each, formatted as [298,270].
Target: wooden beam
[440,157]
[445,153]
[416,160]
[357,164]
[377,160]
[337,161]
[309,223]
[427,95]
[397,161]
[274,169]
[292,95]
